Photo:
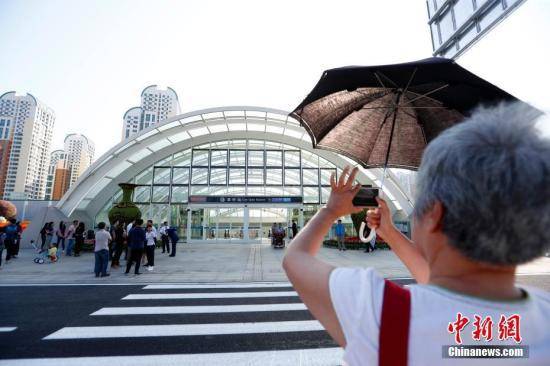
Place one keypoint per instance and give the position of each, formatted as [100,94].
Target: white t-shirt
[150,237]
[102,238]
[357,295]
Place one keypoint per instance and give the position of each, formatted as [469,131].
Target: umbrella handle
[372,233]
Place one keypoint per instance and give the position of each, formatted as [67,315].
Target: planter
[125,211]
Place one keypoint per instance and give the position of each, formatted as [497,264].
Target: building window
[180,175]
[237,157]
[199,176]
[237,176]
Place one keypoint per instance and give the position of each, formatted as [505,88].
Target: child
[52,253]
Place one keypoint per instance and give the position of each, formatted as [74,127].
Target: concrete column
[188,234]
[301,218]
[246,220]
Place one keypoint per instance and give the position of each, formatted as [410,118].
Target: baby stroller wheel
[36,260]
[40,261]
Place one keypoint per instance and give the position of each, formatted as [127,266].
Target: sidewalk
[206,263]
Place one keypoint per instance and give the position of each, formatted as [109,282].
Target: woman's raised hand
[342,193]
[380,219]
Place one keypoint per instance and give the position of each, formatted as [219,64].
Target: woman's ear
[434,217]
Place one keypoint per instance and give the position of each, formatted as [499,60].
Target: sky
[90,60]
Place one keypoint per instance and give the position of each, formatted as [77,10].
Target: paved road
[171,324]
[167,324]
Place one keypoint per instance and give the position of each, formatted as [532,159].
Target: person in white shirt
[151,241]
[164,237]
[482,208]
[101,250]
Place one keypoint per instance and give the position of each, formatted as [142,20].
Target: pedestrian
[79,238]
[61,230]
[52,253]
[11,237]
[151,241]
[18,239]
[482,209]
[2,244]
[118,239]
[127,247]
[173,235]
[164,238]
[150,223]
[101,250]
[340,234]
[294,229]
[49,234]
[273,232]
[69,235]
[43,232]
[136,242]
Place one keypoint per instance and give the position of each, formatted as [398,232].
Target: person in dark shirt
[173,235]
[136,242]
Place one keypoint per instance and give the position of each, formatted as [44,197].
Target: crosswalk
[197,324]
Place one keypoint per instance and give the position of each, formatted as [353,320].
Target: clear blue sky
[89,60]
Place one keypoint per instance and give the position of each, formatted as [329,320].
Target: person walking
[173,235]
[164,237]
[18,239]
[43,232]
[49,234]
[294,229]
[136,242]
[69,235]
[340,233]
[60,233]
[151,241]
[101,250]
[118,239]
[79,238]
[10,239]
[2,244]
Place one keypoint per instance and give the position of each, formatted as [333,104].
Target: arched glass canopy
[220,151]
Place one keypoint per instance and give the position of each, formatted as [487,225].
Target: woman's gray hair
[492,175]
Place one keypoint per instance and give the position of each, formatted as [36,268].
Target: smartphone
[366,197]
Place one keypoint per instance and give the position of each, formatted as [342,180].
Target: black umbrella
[384,116]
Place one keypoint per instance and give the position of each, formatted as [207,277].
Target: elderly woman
[482,208]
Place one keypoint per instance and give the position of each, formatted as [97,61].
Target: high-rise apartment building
[62,177]
[26,127]
[68,164]
[55,156]
[80,152]
[156,105]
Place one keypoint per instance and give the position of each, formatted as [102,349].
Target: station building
[221,175]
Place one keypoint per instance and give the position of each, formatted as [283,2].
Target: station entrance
[218,219]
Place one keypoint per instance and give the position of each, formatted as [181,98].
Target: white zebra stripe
[216,309]
[209,295]
[184,330]
[217,285]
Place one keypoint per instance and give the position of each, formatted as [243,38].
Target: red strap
[394,326]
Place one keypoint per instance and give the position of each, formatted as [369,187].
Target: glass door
[255,224]
[197,223]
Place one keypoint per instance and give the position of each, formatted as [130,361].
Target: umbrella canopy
[384,116]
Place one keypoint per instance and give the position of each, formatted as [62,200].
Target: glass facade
[456,24]
[231,168]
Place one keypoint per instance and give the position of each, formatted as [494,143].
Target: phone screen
[366,197]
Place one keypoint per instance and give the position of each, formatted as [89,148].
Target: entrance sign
[245,199]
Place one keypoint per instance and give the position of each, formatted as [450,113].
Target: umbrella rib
[420,96]
[410,80]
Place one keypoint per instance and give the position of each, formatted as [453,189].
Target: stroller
[43,256]
[279,239]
